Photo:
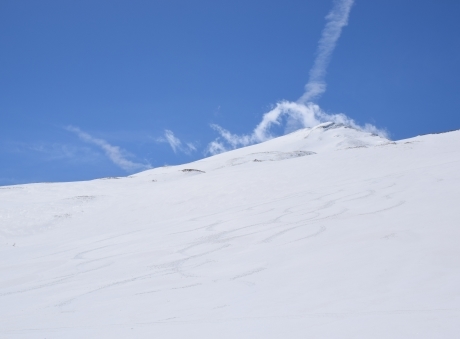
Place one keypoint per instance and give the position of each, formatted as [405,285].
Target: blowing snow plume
[304,112]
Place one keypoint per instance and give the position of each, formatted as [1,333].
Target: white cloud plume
[303,113]
[296,114]
[176,144]
[336,20]
[114,153]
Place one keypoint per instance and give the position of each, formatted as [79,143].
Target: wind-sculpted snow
[332,233]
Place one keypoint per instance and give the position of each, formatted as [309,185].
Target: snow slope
[327,232]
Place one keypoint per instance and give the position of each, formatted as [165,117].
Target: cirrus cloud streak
[114,153]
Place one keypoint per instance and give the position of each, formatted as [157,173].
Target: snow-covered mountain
[327,232]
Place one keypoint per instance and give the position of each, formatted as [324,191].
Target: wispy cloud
[114,153]
[297,114]
[51,151]
[336,20]
[304,112]
[176,144]
[59,151]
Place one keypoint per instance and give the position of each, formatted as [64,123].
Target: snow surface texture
[323,233]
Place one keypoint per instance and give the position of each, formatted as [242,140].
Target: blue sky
[91,89]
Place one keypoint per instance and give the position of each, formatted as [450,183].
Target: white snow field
[327,232]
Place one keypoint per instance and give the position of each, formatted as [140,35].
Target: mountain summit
[323,138]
